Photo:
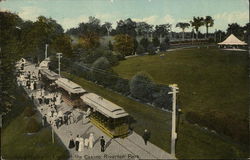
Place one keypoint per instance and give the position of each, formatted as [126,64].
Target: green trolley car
[107,116]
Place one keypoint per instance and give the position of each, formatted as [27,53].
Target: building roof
[232,40]
[49,74]
[69,86]
[103,106]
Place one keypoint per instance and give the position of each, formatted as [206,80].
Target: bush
[122,86]
[29,111]
[162,99]
[102,73]
[32,126]
[141,87]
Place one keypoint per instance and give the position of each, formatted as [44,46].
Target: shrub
[32,126]
[162,99]
[141,86]
[29,111]
[102,73]
[122,86]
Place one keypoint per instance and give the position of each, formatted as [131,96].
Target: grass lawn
[16,144]
[193,142]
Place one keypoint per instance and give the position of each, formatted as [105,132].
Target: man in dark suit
[146,136]
[102,141]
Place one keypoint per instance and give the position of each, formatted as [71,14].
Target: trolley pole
[173,133]
[59,56]
[46,51]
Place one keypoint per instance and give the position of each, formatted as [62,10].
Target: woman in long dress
[91,140]
[81,144]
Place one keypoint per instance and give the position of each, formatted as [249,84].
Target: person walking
[71,142]
[77,141]
[102,142]
[91,140]
[146,136]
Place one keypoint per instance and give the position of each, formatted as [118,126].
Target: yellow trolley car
[71,92]
[109,117]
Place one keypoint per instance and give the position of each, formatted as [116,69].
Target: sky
[69,13]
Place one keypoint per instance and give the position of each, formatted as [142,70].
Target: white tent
[232,41]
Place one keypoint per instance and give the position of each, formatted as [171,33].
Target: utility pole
[59,56]
[52,134]
[173,133]
[46,49]
[1,119]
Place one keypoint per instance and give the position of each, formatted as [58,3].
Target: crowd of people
[49,105]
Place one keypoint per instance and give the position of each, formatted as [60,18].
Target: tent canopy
[232,40]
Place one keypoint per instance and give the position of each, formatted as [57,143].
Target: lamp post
[59,56]
[173,133]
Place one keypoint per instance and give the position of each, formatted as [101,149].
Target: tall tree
[144,29]
[162,30]
[126,27]
[236,29]
[209,22]
[183,26]
[9,52]
[124,44]
[197,23]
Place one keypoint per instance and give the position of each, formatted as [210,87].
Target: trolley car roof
[69,86]
[103,106]
[49,74]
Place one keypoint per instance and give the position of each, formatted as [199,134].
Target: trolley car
[48,77]
[107,116]
[71,92]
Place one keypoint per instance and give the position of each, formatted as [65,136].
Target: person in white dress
[91,140]
[81,144]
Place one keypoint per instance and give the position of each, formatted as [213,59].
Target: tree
[209,22]
[9,53]
[141,86]
[135,45]
[144,42]
[197,23]
[62,44]
[90,40]
[106,28]
[236,29]
[143,29]
[140,50]
[126,27]
[163,46]
[156,42]
[110,46]
[151,49]
[183,26]
[124,44]
[162,30]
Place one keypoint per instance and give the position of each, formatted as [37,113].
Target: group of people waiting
[79,143]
